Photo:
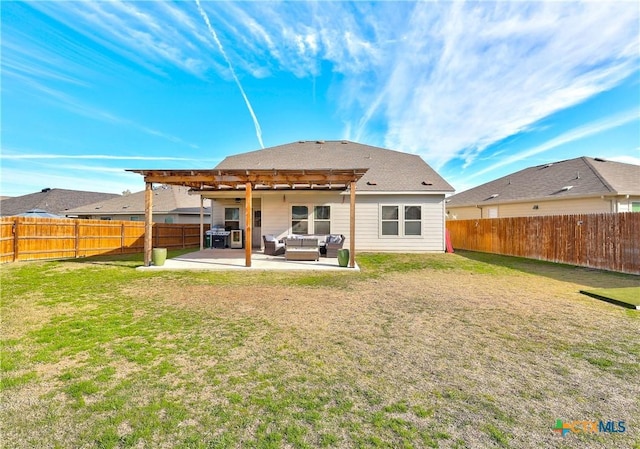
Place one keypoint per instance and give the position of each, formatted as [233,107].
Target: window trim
[239,216]
[401,221]
[311,217]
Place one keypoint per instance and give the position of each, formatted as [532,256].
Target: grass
[627,297]
[462,350]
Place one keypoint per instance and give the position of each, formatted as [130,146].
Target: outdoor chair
[334,243]
[272,247]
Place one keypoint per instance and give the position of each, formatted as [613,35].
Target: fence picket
[29,238]
[604,241]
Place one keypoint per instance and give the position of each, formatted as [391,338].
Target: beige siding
[559,207]
[218,206]
[276,218]
[157,218]
[577,206]
[625,204]
[463,213]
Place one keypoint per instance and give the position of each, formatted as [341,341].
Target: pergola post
[148,223]
[201,223]
[352,225]
[247,225]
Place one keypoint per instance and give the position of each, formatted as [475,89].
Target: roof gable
[572,178]
[54,201]
[389,170]
[166,199]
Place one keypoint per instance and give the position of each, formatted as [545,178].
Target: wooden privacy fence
[603,241]
[29,238]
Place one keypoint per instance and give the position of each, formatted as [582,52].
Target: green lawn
[627,296]
[449,350]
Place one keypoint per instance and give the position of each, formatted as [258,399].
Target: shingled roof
[389,170]
[573,178]
[54,201]
[166,199]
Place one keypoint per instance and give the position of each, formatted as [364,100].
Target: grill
[218,232]
[218,236]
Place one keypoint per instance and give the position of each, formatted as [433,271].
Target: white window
[322,220]
[299,219]
[232,218]
[635,206]
[412,220]
[310,219]
[390,220]
[400,220]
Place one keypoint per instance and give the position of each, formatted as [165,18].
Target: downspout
[479,207]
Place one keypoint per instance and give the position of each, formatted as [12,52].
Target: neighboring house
[576,186]
[171,204]
[399,200]
[51,201]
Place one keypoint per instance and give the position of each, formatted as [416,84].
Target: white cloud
[486,72]
[565,138]
[21,182]
[445,80]
[626,159]
[22,156]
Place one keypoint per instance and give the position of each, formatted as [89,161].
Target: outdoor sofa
[301,249]
[328,244]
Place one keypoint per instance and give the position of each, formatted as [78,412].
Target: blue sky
[477,89]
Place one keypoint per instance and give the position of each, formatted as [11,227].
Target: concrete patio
[234,259]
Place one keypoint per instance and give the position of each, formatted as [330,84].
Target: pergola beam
[148,223]
[248,225]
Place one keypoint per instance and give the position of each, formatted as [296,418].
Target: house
[50,201]
[575,186]
[312,187]
[400,199]
[171,204]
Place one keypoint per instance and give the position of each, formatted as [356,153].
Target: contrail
[233,72]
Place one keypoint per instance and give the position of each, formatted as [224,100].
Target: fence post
[76,252]
[122,231]
[15,239]
[183,241]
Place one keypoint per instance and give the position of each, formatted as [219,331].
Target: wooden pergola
[249,180]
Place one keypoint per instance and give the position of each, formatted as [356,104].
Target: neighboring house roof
[389,170]
[39,213]
[53,201]
[166,199]
[573,178]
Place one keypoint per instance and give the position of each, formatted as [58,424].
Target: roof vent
[427,183]
[301,141]
[344,142]
[599,159]
[566,188]
[495,195]
[548,165]
[372,183]
[320,141]
[46,189]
